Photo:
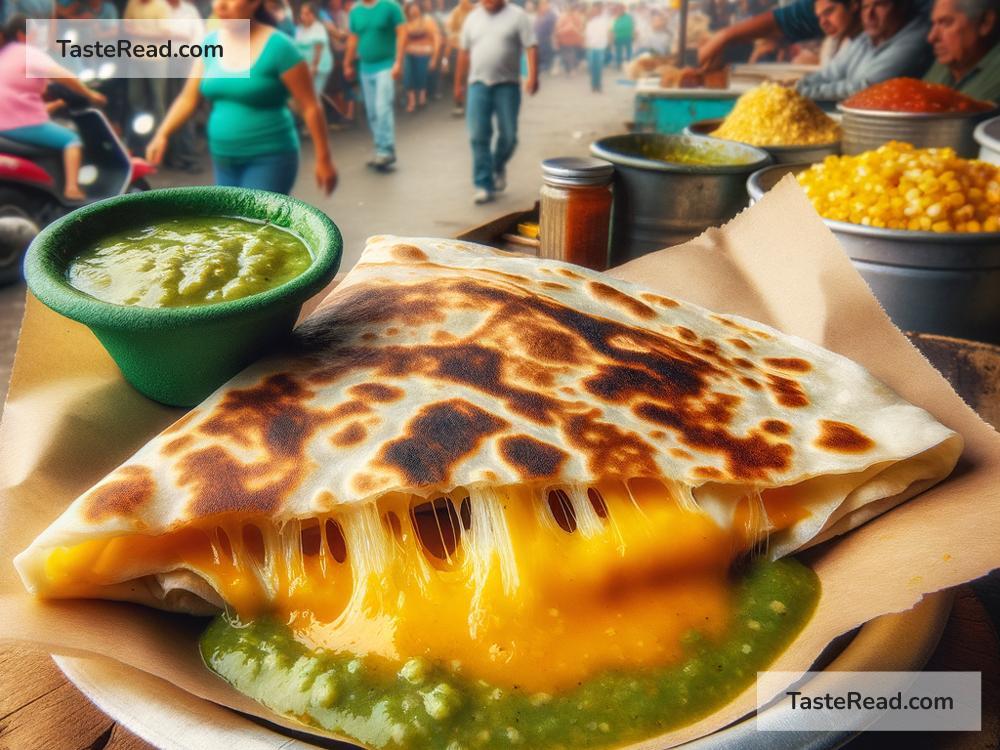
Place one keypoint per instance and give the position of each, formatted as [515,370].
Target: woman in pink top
[24,116]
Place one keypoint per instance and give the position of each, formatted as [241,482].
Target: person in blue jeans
[597,38]
[377,39]
[494,38]
[251,134]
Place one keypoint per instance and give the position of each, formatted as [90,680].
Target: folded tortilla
[529,396]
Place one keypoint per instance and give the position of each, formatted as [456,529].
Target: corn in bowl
[775,115]
[897,186]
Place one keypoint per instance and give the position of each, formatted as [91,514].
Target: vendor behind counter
[964,34]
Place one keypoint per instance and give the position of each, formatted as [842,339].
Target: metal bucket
[987,135]
[932,282]
[779,154]
[659,203]
[867,129]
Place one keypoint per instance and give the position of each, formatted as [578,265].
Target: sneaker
[382,161]
[482,196]
[500,181]
[458,111]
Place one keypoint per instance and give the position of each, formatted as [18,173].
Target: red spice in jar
[912,95]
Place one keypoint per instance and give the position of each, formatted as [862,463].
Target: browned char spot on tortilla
[437,439]
[746,364]
[353,434]
[376,392]
[409,254]
[176,445]
[131,488]
[615,298]
[668,381]
[554,286]
[751,383]
[707,472]
[610,450]
[658,299]
[681,453]
[740,344]
[840,437]
[533,458]
[271,418]
[787,392]
[568,273]
[776,426]
[793,364]
[686,333]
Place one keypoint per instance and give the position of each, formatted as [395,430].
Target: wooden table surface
[41,710]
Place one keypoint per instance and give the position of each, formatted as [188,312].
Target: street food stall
[587,475]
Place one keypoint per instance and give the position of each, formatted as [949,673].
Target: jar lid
[577,170]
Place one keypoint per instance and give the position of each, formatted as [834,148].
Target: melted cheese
[515,586]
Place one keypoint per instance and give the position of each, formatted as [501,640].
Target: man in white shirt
[597,37]
[493,39]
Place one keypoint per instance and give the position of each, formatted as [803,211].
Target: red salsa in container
[912,95]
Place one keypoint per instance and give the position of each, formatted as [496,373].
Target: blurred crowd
[319,65]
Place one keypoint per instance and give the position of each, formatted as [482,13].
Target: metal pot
[933,282]
[779,154]
[660,203]
[866,129]
[987,135]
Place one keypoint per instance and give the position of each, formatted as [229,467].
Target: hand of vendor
[711,52]
[531,85]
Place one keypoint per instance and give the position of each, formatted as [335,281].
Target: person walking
[313,41]
[597,37]
[453,33]
[377,37]
[421,48]
[493,40]
[624,33]
[251,133]
[569,37]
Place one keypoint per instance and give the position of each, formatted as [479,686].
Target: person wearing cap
[964,34]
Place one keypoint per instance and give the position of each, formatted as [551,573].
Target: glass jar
[575,212]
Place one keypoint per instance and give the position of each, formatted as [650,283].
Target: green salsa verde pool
[420,705]
[187,262]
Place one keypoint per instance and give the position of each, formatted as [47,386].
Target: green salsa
[417,704]
[698,154]
[188,262]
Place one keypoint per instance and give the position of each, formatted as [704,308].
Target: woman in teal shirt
[251,132]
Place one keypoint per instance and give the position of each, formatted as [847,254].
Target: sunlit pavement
[430,192]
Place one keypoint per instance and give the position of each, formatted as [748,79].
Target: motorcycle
[31,177]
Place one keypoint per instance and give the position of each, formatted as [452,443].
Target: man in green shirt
[377,38]
[965,34]
[624,33]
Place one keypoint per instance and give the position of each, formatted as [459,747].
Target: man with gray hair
[964,34]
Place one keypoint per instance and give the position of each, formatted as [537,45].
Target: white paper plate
[172,719]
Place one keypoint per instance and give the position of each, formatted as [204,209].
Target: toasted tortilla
[439,367]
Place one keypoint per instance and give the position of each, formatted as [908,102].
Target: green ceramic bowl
[178,356]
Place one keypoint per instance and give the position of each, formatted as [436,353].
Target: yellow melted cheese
[514,589]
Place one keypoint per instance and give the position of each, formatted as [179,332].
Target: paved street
[430,193]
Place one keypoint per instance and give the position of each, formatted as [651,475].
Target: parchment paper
[70,418]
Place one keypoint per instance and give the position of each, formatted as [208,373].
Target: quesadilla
[479,499]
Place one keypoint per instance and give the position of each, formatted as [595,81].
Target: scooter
[31,178]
